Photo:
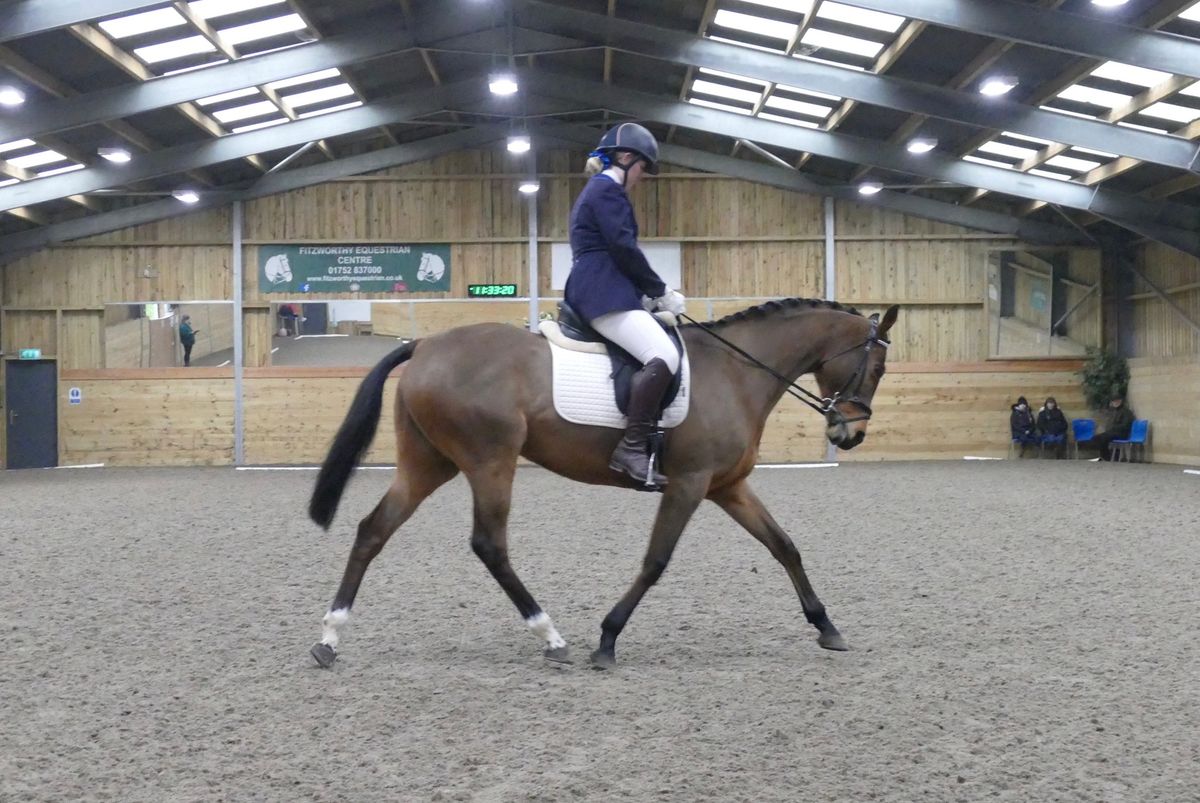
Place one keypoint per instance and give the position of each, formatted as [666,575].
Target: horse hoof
[557,655]
[323,654]
[602,659]
[833,641]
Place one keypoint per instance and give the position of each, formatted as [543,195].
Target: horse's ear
[889,318]
[873,317]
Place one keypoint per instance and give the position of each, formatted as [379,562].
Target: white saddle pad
[583,390]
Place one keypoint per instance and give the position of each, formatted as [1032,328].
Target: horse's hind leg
[747,510]
[421,471]
[491,485]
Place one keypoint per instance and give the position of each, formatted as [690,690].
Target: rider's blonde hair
[593,167]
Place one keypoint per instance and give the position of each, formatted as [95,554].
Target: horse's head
[848,374]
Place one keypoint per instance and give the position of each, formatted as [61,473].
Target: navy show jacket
[609,272]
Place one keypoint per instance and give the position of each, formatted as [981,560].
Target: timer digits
[491,290]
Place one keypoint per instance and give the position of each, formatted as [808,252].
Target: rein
[823,405]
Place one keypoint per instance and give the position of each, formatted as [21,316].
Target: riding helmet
[632,138]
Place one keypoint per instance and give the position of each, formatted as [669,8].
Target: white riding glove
[673,302]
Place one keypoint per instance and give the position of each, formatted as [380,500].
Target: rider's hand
[673,302]
[649,304]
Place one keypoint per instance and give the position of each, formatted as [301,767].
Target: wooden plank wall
[741,243]
[1164,383]
[1166,392]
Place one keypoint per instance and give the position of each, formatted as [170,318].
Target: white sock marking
[541,625]
[332,621]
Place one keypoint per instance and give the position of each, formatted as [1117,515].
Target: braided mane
[770,308]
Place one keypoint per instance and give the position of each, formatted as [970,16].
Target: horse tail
[353,438]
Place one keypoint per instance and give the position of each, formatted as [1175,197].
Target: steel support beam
[1078,34]
[1169,220]
[20,18]
[879,90]
[237,146]
[14,245]
[789,179]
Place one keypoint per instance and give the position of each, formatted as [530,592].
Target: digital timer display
[492,290]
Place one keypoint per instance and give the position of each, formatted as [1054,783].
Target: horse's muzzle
[840,436]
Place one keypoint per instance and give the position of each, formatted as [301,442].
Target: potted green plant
[1105,375]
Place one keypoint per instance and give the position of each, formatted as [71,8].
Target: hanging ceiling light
[869,188]
[519,143]
[117,155]
[997,85]
[1109,3]
[921,144]
[503,83]
[11,96]
[529,187]
[186,196]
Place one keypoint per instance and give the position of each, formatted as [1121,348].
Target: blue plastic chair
[1082,429]
[1138,434]
[1049,440]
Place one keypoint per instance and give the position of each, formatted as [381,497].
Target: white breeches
[637,332]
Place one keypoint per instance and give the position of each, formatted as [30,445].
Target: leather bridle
[826,406]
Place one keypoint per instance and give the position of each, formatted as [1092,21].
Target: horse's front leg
[680,500]
[747,510]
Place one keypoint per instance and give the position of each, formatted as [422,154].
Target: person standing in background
[187,338]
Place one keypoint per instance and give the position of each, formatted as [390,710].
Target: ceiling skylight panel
[1026,137]
[318,112]
[1068,112]
[1193,90]
[1096,97]
[1192,13]
[15,145]
[245,112]
[211,9]
[731,77]
[68,169]
[989,162]
[145,22]
[714,105]
[1037,171]
[799,106]
[168,51]
[213,63]
[263,29]
[808,93]
[756,25]
[860,17]
[256,126]
[724,91]
[1128,74]
[1072,163]
[840,42]
[8,181]
[36,159]
[1139,127]
[307,78]
[1090,152]
[795,6]
[213,100]
[779,118]
[1171,111]
[841,64]
[740,43]
[1012,151]
[318,95]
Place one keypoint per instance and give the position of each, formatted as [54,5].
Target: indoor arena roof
[1051,120]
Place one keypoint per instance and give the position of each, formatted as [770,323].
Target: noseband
[824,406]
[827,408]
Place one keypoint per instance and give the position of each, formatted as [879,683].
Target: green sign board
[31,354]
[321,269]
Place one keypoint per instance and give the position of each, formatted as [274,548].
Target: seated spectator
[1052,426]
[1024,430]
[1118,421]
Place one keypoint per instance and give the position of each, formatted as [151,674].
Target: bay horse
[475,398]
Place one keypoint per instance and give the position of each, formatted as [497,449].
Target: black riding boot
[632,455]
